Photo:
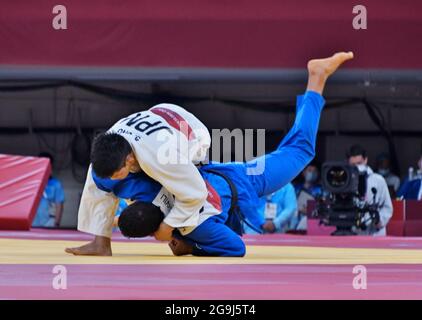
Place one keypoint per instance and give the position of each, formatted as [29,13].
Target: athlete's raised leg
[272,171]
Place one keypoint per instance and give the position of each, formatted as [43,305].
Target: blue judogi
[213,237]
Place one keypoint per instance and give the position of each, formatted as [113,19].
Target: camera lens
[337,177]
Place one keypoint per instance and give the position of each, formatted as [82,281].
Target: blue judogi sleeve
[271,172]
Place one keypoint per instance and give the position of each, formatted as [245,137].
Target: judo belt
[235,219]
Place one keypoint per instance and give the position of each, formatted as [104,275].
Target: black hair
[47,155]
[356,150]
[140,219]
[108,154]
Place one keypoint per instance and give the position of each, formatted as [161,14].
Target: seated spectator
[50,209]
[383,167]
[309,189]
[375,182]
[411,188]
[278,210]
[310,184]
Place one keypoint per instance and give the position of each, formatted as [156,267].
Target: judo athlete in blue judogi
[233,189]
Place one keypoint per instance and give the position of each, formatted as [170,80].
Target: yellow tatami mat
[18,251]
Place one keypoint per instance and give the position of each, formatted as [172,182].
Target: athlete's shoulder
[169,106]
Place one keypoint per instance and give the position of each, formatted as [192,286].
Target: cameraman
[375,182]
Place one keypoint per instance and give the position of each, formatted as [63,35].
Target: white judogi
[167,140]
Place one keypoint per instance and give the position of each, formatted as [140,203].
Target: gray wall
[73,108]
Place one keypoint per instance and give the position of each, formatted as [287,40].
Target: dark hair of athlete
[108,154]
[140,219]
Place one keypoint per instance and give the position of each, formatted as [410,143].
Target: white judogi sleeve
[96,210]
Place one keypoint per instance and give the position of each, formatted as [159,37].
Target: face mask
[361,167]
[310,176]
[384,172]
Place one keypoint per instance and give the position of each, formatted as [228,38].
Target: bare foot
[320,69]
[327,66]
[100,246]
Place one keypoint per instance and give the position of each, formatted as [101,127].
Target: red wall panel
[192,33]
[22,181]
